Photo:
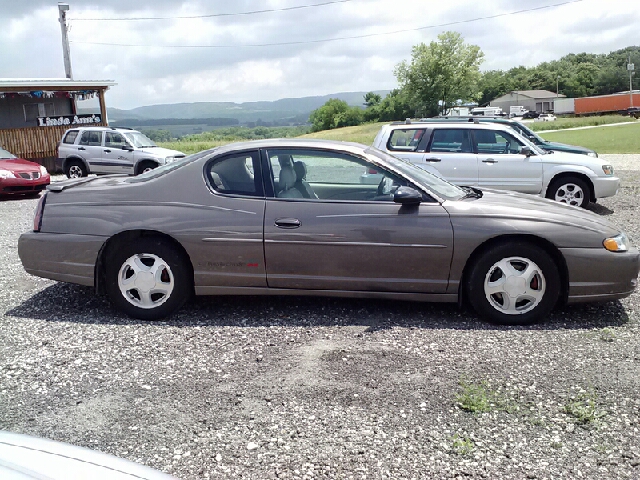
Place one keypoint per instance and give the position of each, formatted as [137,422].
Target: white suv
[105,150]
[491,155]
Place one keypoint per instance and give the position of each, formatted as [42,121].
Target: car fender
[549,172]
[138,161]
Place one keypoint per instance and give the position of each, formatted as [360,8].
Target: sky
[173,51]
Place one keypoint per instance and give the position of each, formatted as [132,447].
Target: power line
[334,39]
[213,15]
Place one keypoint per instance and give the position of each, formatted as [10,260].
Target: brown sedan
[291,217]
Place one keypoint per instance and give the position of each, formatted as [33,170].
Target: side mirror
[128,148]
[526,151]
[407,196]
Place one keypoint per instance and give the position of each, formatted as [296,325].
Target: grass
[479,398]
[361,134]
[583,408]
[462,446]
[618,139]
[573,122]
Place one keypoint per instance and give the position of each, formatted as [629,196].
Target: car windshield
[439,186]
[530,138]
[4,154]
[139,140]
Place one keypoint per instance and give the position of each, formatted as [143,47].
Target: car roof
[486,125]
[350,147]
[102,128]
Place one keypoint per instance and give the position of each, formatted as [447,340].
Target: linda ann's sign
[68,120]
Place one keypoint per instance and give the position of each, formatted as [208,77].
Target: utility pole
[630,69]
[62,18]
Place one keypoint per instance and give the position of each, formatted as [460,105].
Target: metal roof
[9,84]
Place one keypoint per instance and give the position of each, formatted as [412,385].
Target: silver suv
[493,155]
[106,150]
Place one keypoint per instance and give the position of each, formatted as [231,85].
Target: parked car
[290,217]
[633,112]
[21,177]
[105,150]
[530,114]
[545,117]
[493,155]
[23,457]
[524,131]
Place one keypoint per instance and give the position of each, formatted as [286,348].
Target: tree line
[446,73]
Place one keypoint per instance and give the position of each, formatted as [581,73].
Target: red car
[21,177]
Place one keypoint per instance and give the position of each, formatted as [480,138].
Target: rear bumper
[600,275]
[62,257]
[605,186]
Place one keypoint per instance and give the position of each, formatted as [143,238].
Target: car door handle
[107,151]
[287,222]
[432,159]
[489,160]
[81,148]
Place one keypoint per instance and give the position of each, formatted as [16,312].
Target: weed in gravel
[462,445]
[480,397]
[583,408]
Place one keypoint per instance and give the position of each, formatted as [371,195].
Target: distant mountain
[248,112]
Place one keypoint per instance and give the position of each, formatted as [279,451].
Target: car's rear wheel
[146,166]
[570,190]
[75,169]
[514,284]
[148,278]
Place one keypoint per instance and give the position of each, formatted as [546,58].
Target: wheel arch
[582,176]
[534,240]
[66,161]
[136,167]
[131,236]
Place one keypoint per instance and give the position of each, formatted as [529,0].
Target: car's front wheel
[148,278]
[514,284]
[75,169]
[570,190]
[145,167]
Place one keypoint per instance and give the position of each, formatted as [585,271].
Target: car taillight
[37,219]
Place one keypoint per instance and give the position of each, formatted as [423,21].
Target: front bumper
[62,257]
[596,274]
[22,186]
[605,186]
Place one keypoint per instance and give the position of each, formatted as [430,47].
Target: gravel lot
[261,388]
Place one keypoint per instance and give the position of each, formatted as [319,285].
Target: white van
[487,111]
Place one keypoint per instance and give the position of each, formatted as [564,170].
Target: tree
[333,114]
[372,99]
[440,74]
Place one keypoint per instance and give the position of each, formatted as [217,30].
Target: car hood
[579,159]
[23,457]
[19,165]
[563,147]
[161,152]
[532,214]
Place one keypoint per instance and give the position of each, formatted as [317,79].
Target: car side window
[451,140]
[306,174]
[70,137]
[91,138]
[493,142]
[114,140]
[237,174]
[405,140]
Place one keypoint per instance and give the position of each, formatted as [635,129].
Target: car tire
[147,278]
[75,169]
[516,283]
[570,190]
[145,166]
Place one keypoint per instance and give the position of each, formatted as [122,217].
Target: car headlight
[6,174]
[607,169]
[169,159]
[593,154]
[619,243]
[43,170]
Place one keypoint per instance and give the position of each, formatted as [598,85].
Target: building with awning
[34,113]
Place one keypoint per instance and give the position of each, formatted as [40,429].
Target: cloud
[167,60]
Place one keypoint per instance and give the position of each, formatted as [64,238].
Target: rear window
[405,140]
[70,137]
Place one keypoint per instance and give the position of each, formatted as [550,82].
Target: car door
[450,151]
[117,155]
[352,237]
[502,166]
[90,148]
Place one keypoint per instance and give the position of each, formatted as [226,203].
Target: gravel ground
[261,388]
